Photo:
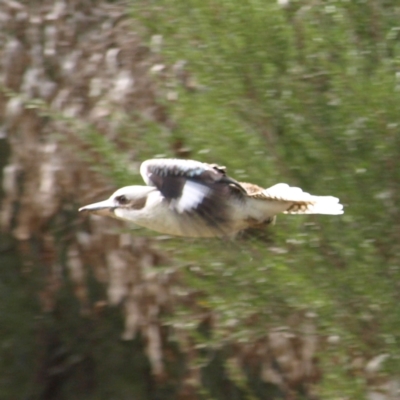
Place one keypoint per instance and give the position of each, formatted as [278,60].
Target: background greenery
[306,93]
[303,92]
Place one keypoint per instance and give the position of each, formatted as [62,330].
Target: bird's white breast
[160,216]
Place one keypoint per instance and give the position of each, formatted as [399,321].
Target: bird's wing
[191,187]
[298,202]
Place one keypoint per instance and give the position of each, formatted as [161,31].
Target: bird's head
[128,198]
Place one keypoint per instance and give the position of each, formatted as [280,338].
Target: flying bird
[195,199]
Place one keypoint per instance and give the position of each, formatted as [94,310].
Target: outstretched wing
[295,201]
[195,188]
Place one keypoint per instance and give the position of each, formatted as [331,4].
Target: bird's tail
[299,202]
[318,205]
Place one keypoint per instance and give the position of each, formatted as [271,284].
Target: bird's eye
[122,199]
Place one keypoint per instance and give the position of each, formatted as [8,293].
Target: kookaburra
[194,199]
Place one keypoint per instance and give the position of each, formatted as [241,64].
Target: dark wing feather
[170,186]
[195,188]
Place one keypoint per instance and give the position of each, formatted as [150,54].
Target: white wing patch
[192,195]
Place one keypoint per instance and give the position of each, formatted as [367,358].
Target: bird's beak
[105,208]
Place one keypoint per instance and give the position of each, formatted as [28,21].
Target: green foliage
[307,93]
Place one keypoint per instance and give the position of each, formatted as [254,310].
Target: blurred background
[299,91]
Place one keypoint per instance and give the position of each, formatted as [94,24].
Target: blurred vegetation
[303,92]
[306,93]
